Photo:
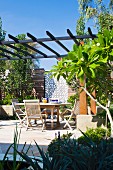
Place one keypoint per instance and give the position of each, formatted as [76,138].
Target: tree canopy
[91,61]
[98,13]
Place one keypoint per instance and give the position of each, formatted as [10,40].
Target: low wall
[89,121]
[6,110]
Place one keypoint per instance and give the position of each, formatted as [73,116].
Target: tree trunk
[105,108]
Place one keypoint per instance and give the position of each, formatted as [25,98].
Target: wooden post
[83,101]
[93,104]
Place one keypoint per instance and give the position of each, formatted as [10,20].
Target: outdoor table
[51,107]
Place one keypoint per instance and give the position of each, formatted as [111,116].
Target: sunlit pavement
[29,136]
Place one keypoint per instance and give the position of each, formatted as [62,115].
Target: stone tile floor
[7,128]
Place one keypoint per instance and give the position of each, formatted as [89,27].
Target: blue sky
[39,16]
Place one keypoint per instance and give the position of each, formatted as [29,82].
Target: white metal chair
[21,115]
[33,112]
[68,114]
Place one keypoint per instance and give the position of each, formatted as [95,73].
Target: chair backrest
[15,107]
[31,100]
[76,108]
[32,108]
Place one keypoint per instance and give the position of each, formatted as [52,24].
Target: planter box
[89,121]
[6,110]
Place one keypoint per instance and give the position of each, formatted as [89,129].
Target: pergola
[11,53]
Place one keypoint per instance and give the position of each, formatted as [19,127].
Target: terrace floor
[43,139]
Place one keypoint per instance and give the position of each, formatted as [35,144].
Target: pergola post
[83,101]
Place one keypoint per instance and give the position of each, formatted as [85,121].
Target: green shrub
[103,113]
[72,98]
[96,135]
[7,100]
[7,117]
[74,156]
[55,145]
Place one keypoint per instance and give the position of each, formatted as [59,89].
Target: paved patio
[43,139]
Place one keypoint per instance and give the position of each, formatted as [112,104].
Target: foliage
[103,113]
[18,82]
[47,163]
[7,117]
[88,67]
[72,155]
[96,135]
[77,156]
[97,12]
[55,145]
[2,63]
[7,100]
[72,98]
[2,32]
[19,79]
[91,60]
[80,26]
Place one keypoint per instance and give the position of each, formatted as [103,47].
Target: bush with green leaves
[74,156]
[55,145]
[96,135]
[7,100]
[103,113]
[72,99]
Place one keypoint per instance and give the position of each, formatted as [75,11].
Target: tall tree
[2,63]
[19,79]
[96,12]
[93,61]
[2,32]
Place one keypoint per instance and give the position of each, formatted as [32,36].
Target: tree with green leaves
[19,80]
[98,13]
[2,32]
[93,62]
[2,63]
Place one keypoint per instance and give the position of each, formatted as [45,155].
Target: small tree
[18,83]
[2,63]
[91,61]
[97,12]
[2,32]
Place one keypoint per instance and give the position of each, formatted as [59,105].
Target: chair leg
[28,123]
[43,124]
[67,124]
[43,127]
[22,121]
